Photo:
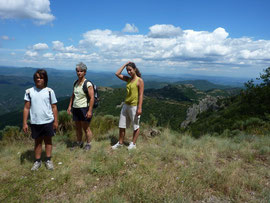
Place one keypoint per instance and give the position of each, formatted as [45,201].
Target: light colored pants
[127,116]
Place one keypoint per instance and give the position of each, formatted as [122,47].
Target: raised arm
[119,71]
[140,99]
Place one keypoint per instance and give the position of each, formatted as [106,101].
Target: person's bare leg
[78,127]
[122,132]
[135,135]
[87,131]
[38,147]
[48,145]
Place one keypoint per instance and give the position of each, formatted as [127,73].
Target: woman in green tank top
[132,108]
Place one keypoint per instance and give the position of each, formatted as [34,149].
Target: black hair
[132,65]
[43,74]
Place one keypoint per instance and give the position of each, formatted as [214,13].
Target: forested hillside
[248,111]
[166,106]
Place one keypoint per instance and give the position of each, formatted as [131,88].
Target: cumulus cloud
[164,31]
[31,54]
[40,46]
[48,55]
[37,10]
[165,46]
[130,28]
[59,46]
[170,45]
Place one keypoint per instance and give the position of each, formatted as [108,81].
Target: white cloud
[165,47]
[164,31]
[199,69]
[48,55]
[37,10]
[40,46]
[59,46]
[4,37]
[166,44]
[130,28]
[31,53]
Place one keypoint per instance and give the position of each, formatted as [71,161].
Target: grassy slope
[168,168]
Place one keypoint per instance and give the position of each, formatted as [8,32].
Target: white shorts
[127,116]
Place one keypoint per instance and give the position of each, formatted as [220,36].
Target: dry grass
[170,167]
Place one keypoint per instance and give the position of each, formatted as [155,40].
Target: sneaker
[36,166]
[131,146]
[76,144]
[87,147]
[49,165]
[117,145]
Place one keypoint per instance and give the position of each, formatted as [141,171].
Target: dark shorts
[79,114]
[42,130]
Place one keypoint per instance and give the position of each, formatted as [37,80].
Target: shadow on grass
[69,143]
[29,155]
[113,139]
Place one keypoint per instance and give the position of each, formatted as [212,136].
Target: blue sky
[205,37]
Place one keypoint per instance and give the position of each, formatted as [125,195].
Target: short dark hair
[43,74]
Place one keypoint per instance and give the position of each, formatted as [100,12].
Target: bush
[102,124]
[13,133]
[65,121]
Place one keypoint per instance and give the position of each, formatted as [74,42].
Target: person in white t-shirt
[81,107]
[40,101]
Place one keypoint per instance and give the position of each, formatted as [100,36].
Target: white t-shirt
[80,99]
[40,109]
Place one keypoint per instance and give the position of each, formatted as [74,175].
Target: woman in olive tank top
[132,108]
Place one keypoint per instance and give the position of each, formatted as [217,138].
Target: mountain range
[166,102]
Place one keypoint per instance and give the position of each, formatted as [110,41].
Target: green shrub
[65,121]
[253,121]
[12,133]
[102,124]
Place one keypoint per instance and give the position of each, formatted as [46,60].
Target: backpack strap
[85,90]
[75,82]
[28,93]
[50,94]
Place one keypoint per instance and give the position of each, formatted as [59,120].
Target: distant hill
[14,81]
[203,85]
[248,111]
[166,106]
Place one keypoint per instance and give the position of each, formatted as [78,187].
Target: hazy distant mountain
[14,81]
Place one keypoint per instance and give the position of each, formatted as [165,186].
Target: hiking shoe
[117,145]
[131,146]
[49,165]
[36,166]
[76,144]
[87,147]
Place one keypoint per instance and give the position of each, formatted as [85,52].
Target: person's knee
[38,141]
[48,140]
[88,130]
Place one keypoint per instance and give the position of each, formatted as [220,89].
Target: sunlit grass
[170,167]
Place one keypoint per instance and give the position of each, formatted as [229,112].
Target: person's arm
[26,110]
[119,71]
[91,102]
[140,99]
[55,115]
[70,103]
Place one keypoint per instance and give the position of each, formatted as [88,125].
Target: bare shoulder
[140,82]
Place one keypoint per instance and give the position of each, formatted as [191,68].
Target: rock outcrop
[205,104]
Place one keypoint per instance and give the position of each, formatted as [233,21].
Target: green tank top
[132,93]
